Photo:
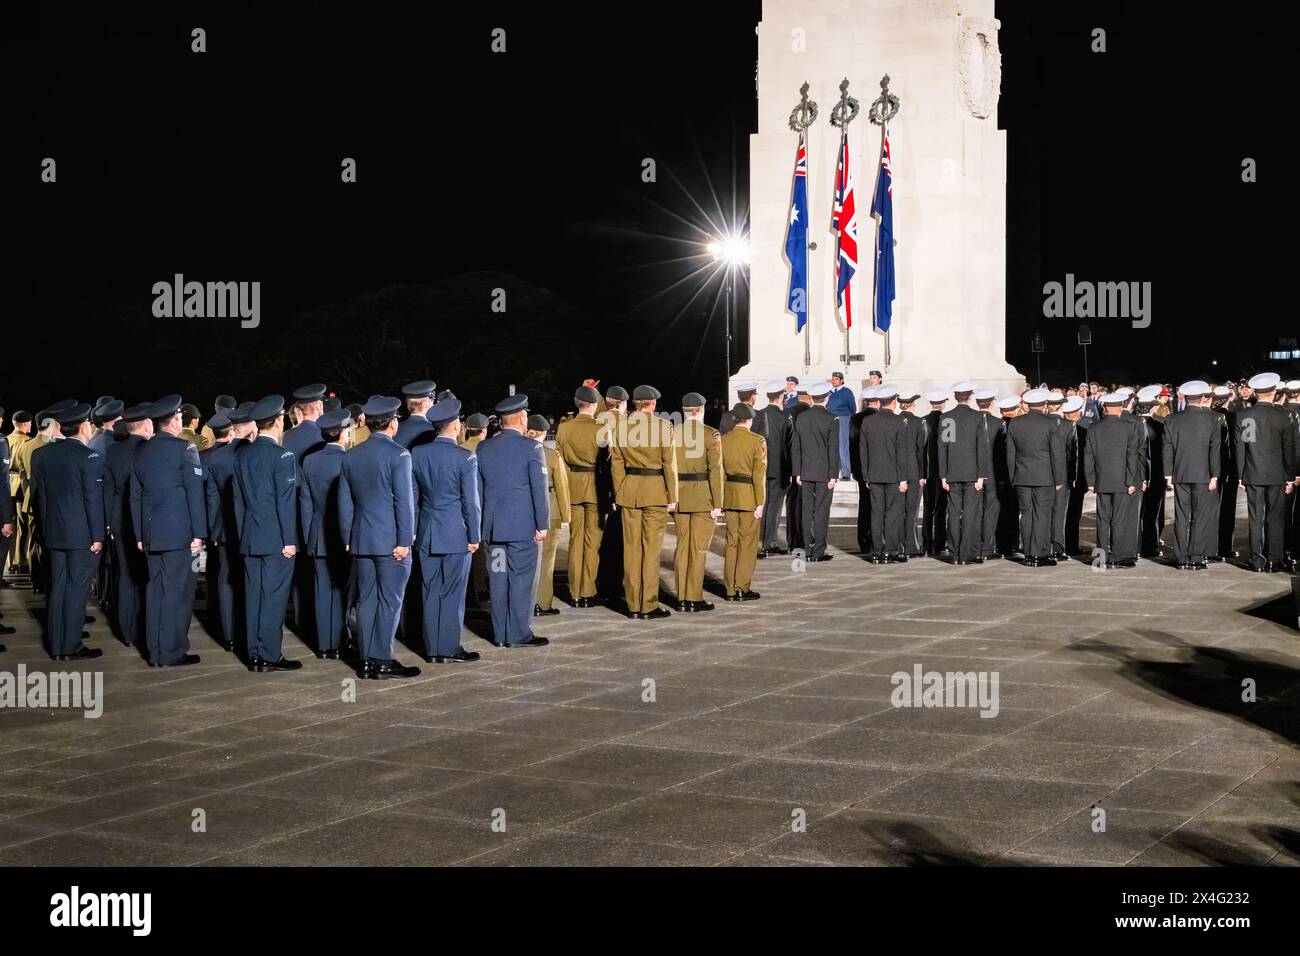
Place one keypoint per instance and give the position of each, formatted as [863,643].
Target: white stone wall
[949,171]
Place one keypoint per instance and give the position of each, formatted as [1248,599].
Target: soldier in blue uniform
[48,437]
[303,439]
[131,571]
[318,510]
[105,416]
[377,522]
[69,498]
[7,514]
[224,571]
[266,486]
[416,430]
[512,475]
[449,517]
[169,521]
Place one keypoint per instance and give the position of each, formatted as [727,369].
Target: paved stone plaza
[1119,690]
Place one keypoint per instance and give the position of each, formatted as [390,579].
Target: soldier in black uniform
[1153,477]
[1072,411]
[1036,467]
[1000,527]
[1114,470]
[1225,409]
[1265,443]
[914,470]
[773,422]
[965,467]
[1192,456]
[815,465]
[796,531]
[1061,498]
[748,394]
[883,441]
[1292,543]
[934,506]
[869,407]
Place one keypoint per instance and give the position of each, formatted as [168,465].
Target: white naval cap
[937,396]
[886,392]
[747,386]
[908,394]
[1056,396]
[1008,403]
[1037,396]
[774,386]
[1124,393]
[870,391]
[985,394]
[1114,398]
[818,389]
[1221,391]
[1149,393]
[1194,389]
[1293,385]
[964,386]
[1072,404]
[1265,381]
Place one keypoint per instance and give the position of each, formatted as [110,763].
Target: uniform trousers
[330,575]
[381,588]
[268,578]
[1267,521]
[584,549]
[609,570]
[1114,532]
[865,544]
[168,603]
[912,541]
[965,519]
[442,578]
[794,519]
[815,502]
[1035,502]
[935,520]
[776,491]
[132,580]
[886,517]
[1228,516]
[1005,519]
[1073,516]
[1153,519]
[1060,515]
[546,569]
[1196,522]
[742,551]
[225,579]
[643,537]
[694,535]
[512,579]
[71,572]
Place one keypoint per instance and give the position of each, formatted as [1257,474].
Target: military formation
[360,524]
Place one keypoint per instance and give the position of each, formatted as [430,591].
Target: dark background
[522,171]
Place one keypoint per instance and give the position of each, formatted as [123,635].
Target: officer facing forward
[377,522]
[512,479]
[815,464]
[266,499]
[318,516]
[170,520]
[699,500]
[1191,459]
[1036,466]
[70,502]
[447,532]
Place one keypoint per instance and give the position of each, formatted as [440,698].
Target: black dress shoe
[1030,562]
[993,556]
[585,602]
[1200,566]
[267,667]
[533,641]
[183,661]
[3,648]
[1046,563]
[761,554]
[328,654]
[1215,558]
[686,607]
[539,611]
[748,596]
[916,554]
[1125,563]
[6,629]
[960,563]
[372,669]
[82,653]
[733,598]
[778,551]
[461,656]
[658,614]
[896,559]
[701,606]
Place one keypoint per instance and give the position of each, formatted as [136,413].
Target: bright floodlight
[734,251]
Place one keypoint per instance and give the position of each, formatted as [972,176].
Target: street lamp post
[733,253]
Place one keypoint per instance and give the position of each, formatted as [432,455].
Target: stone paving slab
[754,735]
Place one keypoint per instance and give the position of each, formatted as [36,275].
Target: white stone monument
[949,178]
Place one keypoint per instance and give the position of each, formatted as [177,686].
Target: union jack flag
[844,223]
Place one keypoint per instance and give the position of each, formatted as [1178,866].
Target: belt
[645,472]
[582,469]
[693,476]
[741,479]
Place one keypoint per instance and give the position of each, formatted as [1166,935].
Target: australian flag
[882,210]
[796,239]
[844,223]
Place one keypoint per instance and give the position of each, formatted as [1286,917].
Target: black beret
[538,423]
[693,400]
[742,412]
[645,393]
[616,393]
[587,394]
[21,416]
[226,401]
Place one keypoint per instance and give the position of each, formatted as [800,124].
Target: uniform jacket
[744,454]
[912,467]
[728,421]
[69,496]
[449,513]
[815,445]
[1270,457]
[963,447]
[1070,438]
[855,442]
[512,484]
[932,443]
[303,439]
[1036,451]
[117,487]
[698,452]
[266,497]
[557,486]
[1192,446]
[1114,456]
[218,464]
[997,429]
[776,429]
[6,501]
[883,441]
[377,497]
[168,509]
[647,445]
[414,430]
[581,443]
[318,501]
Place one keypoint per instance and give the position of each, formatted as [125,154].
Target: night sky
[522,171]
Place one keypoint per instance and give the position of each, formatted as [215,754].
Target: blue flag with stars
[796,240]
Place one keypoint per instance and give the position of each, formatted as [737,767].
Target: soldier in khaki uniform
[474,430]
[189,431]
[609,571]
[645,491]
[557,489]
[581,445]
[698,450]
[20,464]
[224,403]
[744,460]
[21,434]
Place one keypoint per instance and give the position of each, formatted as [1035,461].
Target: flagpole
[883,109]
[884,135]
[801,118]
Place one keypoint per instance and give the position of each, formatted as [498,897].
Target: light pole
[732,252]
